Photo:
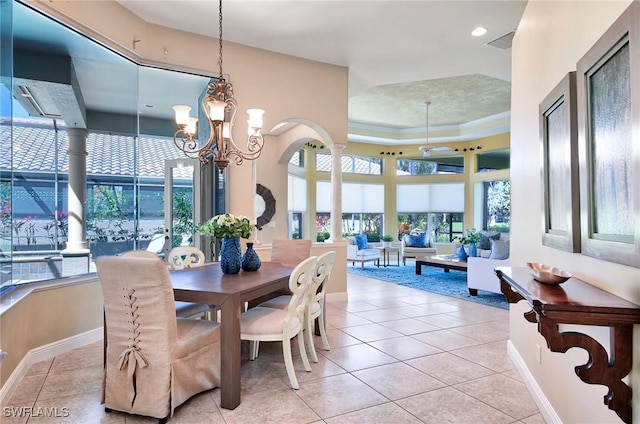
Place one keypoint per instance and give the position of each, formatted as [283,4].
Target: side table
[384,254]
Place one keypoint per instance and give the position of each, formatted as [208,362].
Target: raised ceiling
[399,53]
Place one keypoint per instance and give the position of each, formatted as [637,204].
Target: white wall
[551,38]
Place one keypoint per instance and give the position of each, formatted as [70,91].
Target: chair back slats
[299,284]
[324,266]
[185,257]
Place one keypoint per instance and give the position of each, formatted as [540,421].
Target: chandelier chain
[220,38]
[220,108]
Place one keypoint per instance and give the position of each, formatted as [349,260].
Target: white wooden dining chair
[183,309]
[315,306]
[182,257]
[270,324]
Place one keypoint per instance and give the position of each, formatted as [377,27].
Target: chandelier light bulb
[192,126]
[216,110]
[255,120]
[182,114]
[226,130]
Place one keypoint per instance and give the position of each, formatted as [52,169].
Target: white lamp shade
[192,125]
[255,118]
[226,130]
[216,110]
[182,114]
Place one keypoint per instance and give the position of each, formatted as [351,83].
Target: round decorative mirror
[265,205]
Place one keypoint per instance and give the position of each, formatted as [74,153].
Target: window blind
[442,197]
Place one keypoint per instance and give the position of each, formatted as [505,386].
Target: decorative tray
[548,274]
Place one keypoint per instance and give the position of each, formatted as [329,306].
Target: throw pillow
[417,240]
[485,240]
[499,249]
[361,241]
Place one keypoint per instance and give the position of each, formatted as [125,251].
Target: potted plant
[228,228]
[386,240]
[471,237]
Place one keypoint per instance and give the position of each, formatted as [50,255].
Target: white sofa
[413,252]
[480,275]
[361,255]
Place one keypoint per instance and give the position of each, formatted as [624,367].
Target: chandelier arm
[187,144]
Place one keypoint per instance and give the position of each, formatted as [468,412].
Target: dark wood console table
[578,302]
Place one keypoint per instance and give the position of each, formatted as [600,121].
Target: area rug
[435,280]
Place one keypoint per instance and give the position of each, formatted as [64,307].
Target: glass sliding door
[181,203]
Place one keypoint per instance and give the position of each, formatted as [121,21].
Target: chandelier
[220,107]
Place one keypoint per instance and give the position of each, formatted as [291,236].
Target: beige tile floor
[398,355]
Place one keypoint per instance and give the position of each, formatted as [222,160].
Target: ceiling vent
[503,42]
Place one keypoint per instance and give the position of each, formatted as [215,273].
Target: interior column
[336,190]
[76,255]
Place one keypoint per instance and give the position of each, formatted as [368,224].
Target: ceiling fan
[426,149]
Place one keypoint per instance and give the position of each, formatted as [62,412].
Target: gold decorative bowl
[548,274]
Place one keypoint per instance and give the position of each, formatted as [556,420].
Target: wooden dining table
[207,284]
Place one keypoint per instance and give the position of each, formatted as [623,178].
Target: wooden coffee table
[446,262]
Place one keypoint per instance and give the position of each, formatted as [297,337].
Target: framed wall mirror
[559,148]
[608,95]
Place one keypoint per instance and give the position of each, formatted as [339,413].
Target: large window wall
[126,109]
[441,196]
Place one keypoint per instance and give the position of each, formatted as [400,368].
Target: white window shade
[356,198]
[297,194]
[445,197]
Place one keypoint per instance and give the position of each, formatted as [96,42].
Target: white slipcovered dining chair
[290,252]
[154,361]
[183,309]
[182,257]
[315,306]
[270,324]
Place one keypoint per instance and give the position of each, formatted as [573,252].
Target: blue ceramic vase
[462,254]
[250,259]
[473,250]
[230,255]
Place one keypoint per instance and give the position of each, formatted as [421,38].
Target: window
[444,226]
[437,209]
[496,205]
[362,205]
[297,159]
[493,160]
[427,166]
[351,164]
[125,170]
[296,204]
[352,223]
[295,225]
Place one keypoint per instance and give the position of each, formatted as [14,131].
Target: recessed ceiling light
[479,31]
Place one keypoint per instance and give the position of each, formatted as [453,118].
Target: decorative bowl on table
[548,274]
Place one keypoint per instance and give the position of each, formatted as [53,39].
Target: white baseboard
[43,353]
[337,297]
[538,396]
